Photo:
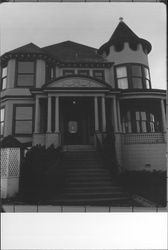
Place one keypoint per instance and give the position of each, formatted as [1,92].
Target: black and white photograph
[83,107]
[83,131]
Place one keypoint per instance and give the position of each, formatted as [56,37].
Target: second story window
[25,74]
[98,74]
[83,72]
[50,73]
[2,120]
[122,77]
[4,78]
[132,76]
[68,72]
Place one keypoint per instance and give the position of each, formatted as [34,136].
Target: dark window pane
[137,83]
[25,80]
[136,70]
[23,127]
[24,113]
[83,72]
[25,67]
[98,74]
[68,72]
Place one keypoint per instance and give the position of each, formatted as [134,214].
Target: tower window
[4,78]
[25,74]
[134,76]
[122,77]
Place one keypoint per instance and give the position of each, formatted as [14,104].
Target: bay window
[4,78]
[23,120]
[25,73]
[132,76]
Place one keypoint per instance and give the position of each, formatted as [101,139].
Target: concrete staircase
[87,181]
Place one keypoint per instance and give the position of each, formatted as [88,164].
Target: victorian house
[72,94]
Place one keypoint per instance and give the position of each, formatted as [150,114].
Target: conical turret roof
[123,34]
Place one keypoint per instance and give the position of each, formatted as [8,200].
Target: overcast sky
[91,24]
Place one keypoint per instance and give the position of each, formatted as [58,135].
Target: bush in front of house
[148,184]
[41,172]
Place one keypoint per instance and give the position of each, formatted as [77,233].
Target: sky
[90,24]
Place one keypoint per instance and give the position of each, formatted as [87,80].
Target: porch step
[78,148]
[86,181]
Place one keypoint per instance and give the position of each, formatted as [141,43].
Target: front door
[76,122]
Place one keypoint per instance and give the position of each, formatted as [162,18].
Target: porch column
[49,115]
[115,114]
[163,116]
[103,114]
[37,116]
[56,114]
[119,117]
[96,114]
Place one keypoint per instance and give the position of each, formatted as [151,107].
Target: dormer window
[25,73]
[4,78]
[132,76]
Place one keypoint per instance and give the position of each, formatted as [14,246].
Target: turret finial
[121,19]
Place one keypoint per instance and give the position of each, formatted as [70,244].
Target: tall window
[140,122]
[4,78]
[136,73]
[126,123]
[147,78]
[23,120]
[134,76]
[25,74]
[2,120]
[83,72]
[68,72]
[122,77]
[98,74]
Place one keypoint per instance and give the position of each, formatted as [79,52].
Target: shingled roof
[124,34]
[28,48]
[69,51]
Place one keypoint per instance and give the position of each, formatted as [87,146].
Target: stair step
[92,188]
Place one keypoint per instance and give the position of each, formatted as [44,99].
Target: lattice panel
[14,162]
[144,138]
[4,162]
[10,162]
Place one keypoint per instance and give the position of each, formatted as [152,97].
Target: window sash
[83,72]
[25,80]
[136,70]
[98,74]
[123,83]
[68,72]
[23,120]
[25,67]
[121,71]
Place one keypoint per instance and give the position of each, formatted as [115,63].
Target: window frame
[17,73]
[130,76]
[2,121]
[98,71]
[49,69]
[4,77]
[83,70]
[71,71]
[14,119]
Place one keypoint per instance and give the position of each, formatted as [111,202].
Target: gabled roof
[28,48]
[124,34]
[69,51]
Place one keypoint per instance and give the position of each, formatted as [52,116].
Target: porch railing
[143,138]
